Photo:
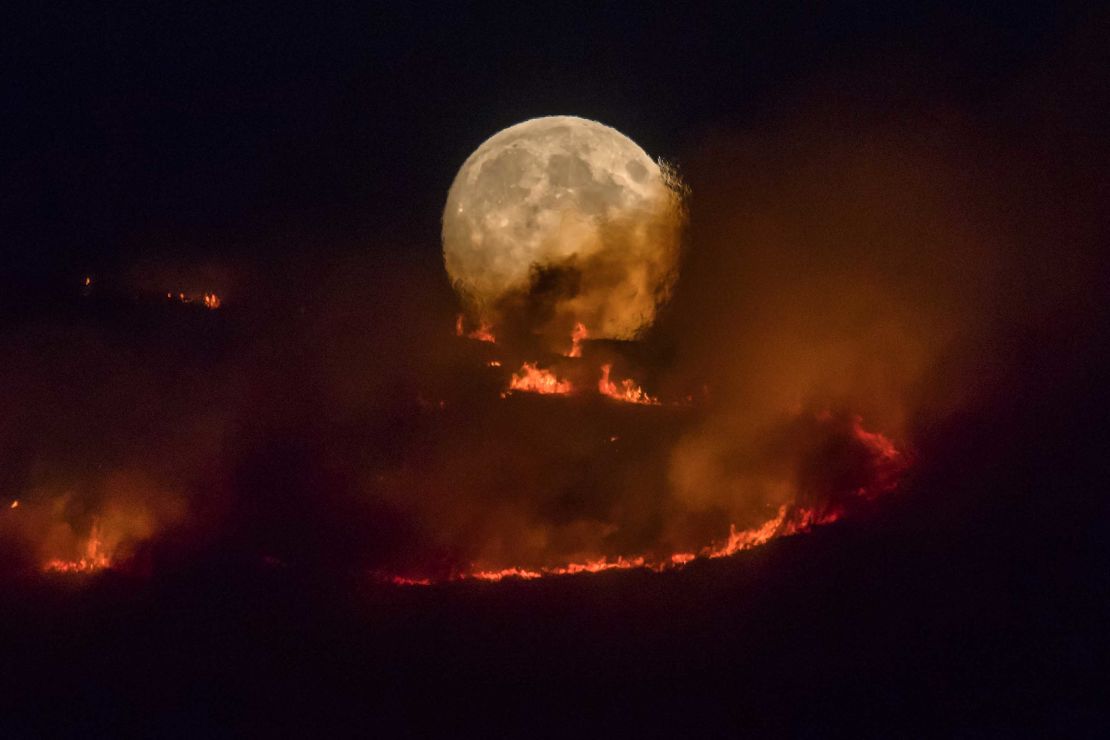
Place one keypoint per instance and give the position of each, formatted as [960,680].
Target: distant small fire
[210,301]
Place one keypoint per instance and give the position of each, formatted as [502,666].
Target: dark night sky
[173,131]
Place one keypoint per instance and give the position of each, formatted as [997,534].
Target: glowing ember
[627,391]
[576,338]
[533,379]
[493,363]
[15,504]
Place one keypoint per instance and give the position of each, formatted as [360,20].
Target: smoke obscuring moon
[565,220]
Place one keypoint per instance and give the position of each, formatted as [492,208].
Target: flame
[484,332]
[749,538]
[95,557]
[533,379]
[88,281]
[789,519]
[15,504]
[782,524]
[493,363]
[628,391]
[211,301]
[576,338]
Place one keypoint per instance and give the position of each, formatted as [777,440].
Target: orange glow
[627,391]
[210,301]
[493,363]
[738,541]
[749,538]
[95,558]
[88,281]
[576,338]
[789,519]
[15,504]
[533,379]
[484,332]
[590,566]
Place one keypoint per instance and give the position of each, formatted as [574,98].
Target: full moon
[568,202]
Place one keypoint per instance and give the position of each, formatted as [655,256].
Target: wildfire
[95,557]
[533,379]
[211,301]
[627,391]
[576,338]
[749,538]
[790,519]
[787,521]
[484,332]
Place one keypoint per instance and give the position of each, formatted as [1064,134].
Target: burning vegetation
[335,421]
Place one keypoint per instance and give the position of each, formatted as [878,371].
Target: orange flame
[211,301]
[484,332]
[95,557]
[790,519]
[576,338]
[627,391]
[533,379]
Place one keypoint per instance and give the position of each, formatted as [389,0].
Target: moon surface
[566,196]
